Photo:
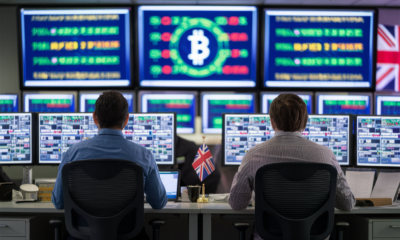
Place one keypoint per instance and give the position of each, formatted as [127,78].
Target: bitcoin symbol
[199,47]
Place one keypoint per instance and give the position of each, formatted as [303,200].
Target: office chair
[295,201]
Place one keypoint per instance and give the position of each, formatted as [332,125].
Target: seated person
[289,117]
[111,116]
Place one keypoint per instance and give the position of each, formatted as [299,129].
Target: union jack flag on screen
[388,58]
[203,162]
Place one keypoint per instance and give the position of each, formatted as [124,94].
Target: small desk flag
[203,163]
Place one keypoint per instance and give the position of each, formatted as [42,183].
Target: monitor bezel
[158,92]
[383,94]
[310,93]
[18,101]
[369,94]
[74,93]
[179,183]
[99,92]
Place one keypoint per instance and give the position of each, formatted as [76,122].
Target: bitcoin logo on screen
[199,48]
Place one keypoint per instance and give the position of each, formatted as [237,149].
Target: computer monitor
[75,47]
[378,141]
[9,103]
[268,97]
[87,100]
[214,104]
[171,182]
[387,103]
[197,46]
[60,102]
[344,103]
[182,103]
[244,131]
[16,138]
[319,48]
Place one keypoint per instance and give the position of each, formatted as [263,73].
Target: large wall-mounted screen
[49,102]
[387,104]
[87,100]
[319,48]
[268,97]
[9,103]
[75,48]
[344,103]
[197,46]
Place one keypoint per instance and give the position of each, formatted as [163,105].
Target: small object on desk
[29,191]
[203,198]
[6,190]
[184,194]
[373,202]
[193,192]
[218,198]
[26,201]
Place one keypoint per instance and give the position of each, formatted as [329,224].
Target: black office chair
[295,201]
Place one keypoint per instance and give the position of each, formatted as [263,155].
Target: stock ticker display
[15,138]
[49,103]
[344,104]
[267,98]
[378,141]
[8,103]
[387,105]
[87,102]
[75,48]
[318,48]
[197,46]
[214,105]
[242,132]
[183,104]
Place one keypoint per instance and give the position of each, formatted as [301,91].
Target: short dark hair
[289,112]
[111,109]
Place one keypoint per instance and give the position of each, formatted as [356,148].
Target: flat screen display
[16,138]
[183,104]
[344,104]
[197,46]
[387,105]
[170,180]
[214,105]
[319,48]
[378,142]
[267,98]
[75,48]
[244,131]
[87,101]
[49,103]
[9,103]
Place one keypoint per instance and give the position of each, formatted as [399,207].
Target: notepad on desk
[360,182]
[387,185]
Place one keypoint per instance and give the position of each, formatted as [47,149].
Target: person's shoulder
[138,149]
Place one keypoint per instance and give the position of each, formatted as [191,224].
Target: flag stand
[203,198]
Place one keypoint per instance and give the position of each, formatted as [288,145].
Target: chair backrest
[107,194]
[295,201]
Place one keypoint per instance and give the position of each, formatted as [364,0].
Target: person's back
[288,115]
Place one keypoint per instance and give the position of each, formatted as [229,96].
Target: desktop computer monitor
[9,103]
[268,97]
[213,105]
[244,131]
[378,141]
[182,103]
[57,102]
[87,100]
[16,135]
[344,103]
[171,182]
[387,103]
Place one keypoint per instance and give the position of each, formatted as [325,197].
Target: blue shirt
[111,144]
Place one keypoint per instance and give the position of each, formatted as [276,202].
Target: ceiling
[380,3]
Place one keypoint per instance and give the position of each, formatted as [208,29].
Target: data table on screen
[49,103]
[197,46]
[8,103]
[16,138]
[344,104]
[267,98]
[87,101]
[378,141]
[387,105]
[75,48]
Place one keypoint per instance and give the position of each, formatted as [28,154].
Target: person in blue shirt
[111,116]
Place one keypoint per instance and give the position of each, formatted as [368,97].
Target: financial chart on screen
[75,47]
[244,131]
[319,48]
[387,105]
[8,103]
[49,103]
[197,46]
[15,138]
[184,105]
[87,101]
[214,105]
[267,98]
[344,104]
[378,141]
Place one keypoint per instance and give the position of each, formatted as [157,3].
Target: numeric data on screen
[344,104]
[387,105]
[268,98]
[88,102]
[49,103]
[8,103]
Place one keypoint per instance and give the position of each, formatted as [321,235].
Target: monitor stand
[27,174]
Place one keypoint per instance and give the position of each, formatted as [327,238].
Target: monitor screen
[244,131]
[183,104]
[87,101]
[213,105]
[344,104]
[75,48]
[197,46]
[378,141]
[170,179]
[49,102]
[16,138]
[319,48]
[8,103]
[267,98]
[388,105]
